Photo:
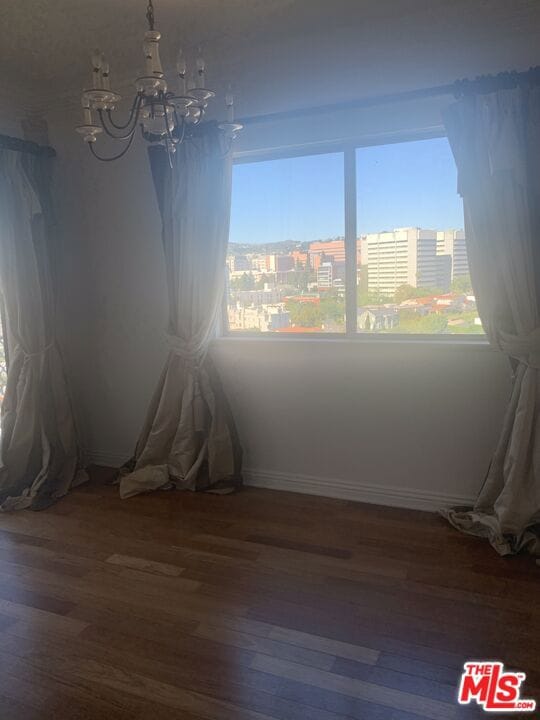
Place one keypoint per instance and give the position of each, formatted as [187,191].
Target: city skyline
[300,199]
[407,280]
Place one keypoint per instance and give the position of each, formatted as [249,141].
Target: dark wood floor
[252,606]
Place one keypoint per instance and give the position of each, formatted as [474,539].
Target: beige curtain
[39,450]
[495,139]
[189,439]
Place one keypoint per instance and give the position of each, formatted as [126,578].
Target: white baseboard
[355,490]
[108,459]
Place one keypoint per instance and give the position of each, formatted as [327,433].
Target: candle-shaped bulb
[96,69]
[229,102]
[97,59]
[201,69]
[87,113]
[105,73]
[181,70]
[181,63]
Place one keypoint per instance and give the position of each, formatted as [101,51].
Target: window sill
[435,341]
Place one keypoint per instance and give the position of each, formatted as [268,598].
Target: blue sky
[301,198]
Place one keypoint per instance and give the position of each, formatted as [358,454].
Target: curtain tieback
[192,354]
[38,353]
[525,348]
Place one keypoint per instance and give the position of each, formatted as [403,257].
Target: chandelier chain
[150,15]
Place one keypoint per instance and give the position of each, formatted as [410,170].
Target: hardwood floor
[252,606]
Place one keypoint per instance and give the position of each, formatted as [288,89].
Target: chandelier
[165,116]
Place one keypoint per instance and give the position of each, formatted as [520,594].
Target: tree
[362,279]
[244,282]
[362,294]
[261,282]
[411,322]
[304,314]
[407,292]
[376,298]
[461,285]
[333,308]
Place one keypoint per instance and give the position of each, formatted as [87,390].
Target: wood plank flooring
[248,607]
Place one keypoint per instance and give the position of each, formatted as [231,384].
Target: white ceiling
[278,53]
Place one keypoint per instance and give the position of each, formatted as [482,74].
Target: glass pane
[286,256]
[413,275]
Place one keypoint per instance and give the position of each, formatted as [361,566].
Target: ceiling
[277,53]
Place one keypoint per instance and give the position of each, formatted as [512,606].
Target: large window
[286,260]
[366,240]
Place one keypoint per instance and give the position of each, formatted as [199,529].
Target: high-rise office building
[404,256]
[330,250]
[452,242]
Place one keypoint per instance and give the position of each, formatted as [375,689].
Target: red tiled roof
[431,299]
[304,299]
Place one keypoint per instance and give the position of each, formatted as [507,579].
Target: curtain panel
[39,446]
[189,439]
[495,140]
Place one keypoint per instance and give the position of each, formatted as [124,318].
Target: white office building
[404,256]
[452,242]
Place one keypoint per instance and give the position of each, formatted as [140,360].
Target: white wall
[9,125]
[112,299]
[407,424]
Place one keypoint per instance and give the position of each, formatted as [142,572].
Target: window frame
[347,147]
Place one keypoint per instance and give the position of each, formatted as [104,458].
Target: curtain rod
[460,88]
[25,146]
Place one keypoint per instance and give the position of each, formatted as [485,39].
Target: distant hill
[284,246]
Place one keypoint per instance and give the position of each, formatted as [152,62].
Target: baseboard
[340,489]
[107,459]
[355,490]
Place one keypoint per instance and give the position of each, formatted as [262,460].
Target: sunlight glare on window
[286,257]
[413,275]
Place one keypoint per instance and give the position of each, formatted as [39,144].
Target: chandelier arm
[113,157]
[199,119]
[121,138]
[133,113]
[181,124]
[169,156]
[114,136]
[172,140]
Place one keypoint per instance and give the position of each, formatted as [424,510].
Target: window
[366,240]
[286,259]
[414,274]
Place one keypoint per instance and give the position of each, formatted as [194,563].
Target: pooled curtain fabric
[495,139]
[39,450]
[189,438]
